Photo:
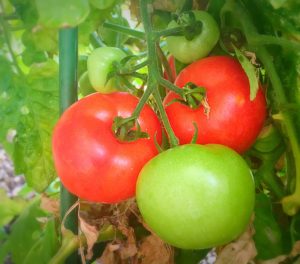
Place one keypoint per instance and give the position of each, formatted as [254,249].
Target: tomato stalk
[154,67]
[125,30]
[165,64]
[96,41]
[291,203]
[271,40]
[70,243]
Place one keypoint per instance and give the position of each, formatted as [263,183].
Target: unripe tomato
[187,51]
[233,119]
[90,161]
[195,196]
[99,64]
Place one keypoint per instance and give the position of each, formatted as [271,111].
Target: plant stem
[126,30]
[165,64]
[258,39]
[96,41]
[70,244]
[154,67]
[169,32]
[171,86]
[5,28]
[291,203]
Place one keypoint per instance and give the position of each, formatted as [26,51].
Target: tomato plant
[91,162]
[100,64]
[196,196]
[232,119]
[192,48]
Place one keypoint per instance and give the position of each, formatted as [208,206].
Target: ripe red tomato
[90,161]
[233,120]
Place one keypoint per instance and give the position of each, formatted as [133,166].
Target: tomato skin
[99,64]
[90,161]
[234,120]
[187,51]
[196,196]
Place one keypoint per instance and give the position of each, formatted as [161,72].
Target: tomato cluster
[187,194]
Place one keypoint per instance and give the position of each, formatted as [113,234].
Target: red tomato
[171,61]
[90,161]
[234,120]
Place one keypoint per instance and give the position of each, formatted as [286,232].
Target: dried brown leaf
[153,250]
[128,248]
[50,204]
[296,249]
[277,260]
[109,256]
[241,251]
[91,233]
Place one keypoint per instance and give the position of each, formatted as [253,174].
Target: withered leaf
[241,251]
[50,204]
[153,250]
[91,233]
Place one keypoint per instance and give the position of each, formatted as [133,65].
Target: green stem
[291,203]
[171,86]
[96,41]
[68,95]
[173,139]
[139,66]
[258,39]
[165,64]
[125,30]
[70,244]
[169,32]
[153,67]
[5,28]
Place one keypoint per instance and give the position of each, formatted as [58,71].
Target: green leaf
[59,14]
[250,70]
[45,39]
[268,238]
[30,56]
[46,245]
[39,111]
[91,24]
[29,239]
[26,9]
[28,112]
[11,97]
[9,208]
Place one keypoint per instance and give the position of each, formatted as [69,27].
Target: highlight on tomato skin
[233,120]
[90,161]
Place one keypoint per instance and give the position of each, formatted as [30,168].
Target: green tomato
[113,38]
[84,86]
[196,196]
[187,51]
[99,65]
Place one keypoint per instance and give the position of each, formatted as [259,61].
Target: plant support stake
[68,45]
